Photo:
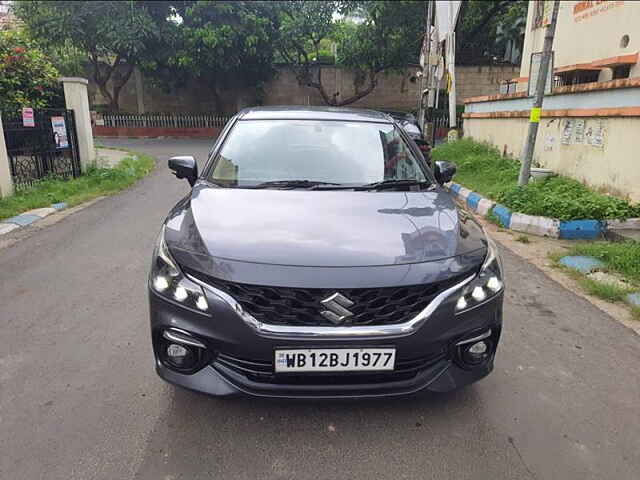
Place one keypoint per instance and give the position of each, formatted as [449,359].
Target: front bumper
[241,360]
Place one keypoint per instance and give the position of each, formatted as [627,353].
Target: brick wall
[394,91]
[472,81]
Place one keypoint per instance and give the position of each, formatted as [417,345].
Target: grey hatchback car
[317,255]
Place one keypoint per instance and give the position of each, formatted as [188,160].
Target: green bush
[27,77]
[94,183]
[565,199]
[483,169]
[480,167]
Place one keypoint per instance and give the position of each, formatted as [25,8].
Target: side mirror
[444,171]
[184,166]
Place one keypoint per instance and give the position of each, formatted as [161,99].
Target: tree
[388,38]
[229,45]
[304,27]
[488,27]
[372,37]
[27,78]
[115,36]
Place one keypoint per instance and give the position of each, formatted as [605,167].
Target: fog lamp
[478,348]
[180,356]
[181,351]
[175,351]
[475,353]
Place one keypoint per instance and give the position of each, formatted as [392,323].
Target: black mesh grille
[301,306]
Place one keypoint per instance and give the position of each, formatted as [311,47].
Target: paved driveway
[79,398]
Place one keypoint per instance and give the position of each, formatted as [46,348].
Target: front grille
[302,307]
[263,372]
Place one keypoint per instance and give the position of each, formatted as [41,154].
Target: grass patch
[523,239]
[619,257]
[483,169]
[94,183]
[606,291]
[480,167]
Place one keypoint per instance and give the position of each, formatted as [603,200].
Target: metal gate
[441,124]
[47,149]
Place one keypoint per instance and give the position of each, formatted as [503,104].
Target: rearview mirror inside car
[184,166]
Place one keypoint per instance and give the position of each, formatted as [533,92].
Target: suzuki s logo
[336,308]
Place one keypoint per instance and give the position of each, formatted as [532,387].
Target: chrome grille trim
[371,331]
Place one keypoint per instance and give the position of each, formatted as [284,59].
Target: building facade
[7,19]
[590,121]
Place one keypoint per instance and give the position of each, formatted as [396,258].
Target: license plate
[334,359]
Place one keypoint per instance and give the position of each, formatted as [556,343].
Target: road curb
[29,217]
[535,225]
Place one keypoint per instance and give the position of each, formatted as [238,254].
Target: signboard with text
[534,71]
[586,9]
[28,119]
[59,132]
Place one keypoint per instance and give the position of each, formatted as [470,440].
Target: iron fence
[164,120]
[440,120]
[47,147]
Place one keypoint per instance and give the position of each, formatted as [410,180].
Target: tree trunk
[114,105]
[333,101]
[102,86]
[102,72]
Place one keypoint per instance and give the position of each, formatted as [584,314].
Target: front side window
[340,152]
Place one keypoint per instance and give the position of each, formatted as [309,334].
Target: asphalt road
[79,398]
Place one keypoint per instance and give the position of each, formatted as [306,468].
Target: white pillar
[77,99]
[6,182]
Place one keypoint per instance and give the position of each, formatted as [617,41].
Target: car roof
[313,113]
[401,116]
[396,113]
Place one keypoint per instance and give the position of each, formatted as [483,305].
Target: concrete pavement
[79,398]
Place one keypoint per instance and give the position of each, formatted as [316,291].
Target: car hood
[334,228]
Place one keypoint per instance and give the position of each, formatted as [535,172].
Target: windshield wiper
[291,184]
[388,184]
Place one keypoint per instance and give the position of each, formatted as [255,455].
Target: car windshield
[336,152]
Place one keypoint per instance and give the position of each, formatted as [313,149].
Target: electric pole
[534,117]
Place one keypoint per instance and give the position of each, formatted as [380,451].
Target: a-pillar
[76,98]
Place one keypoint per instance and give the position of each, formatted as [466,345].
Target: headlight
[167,280]
[487,284]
